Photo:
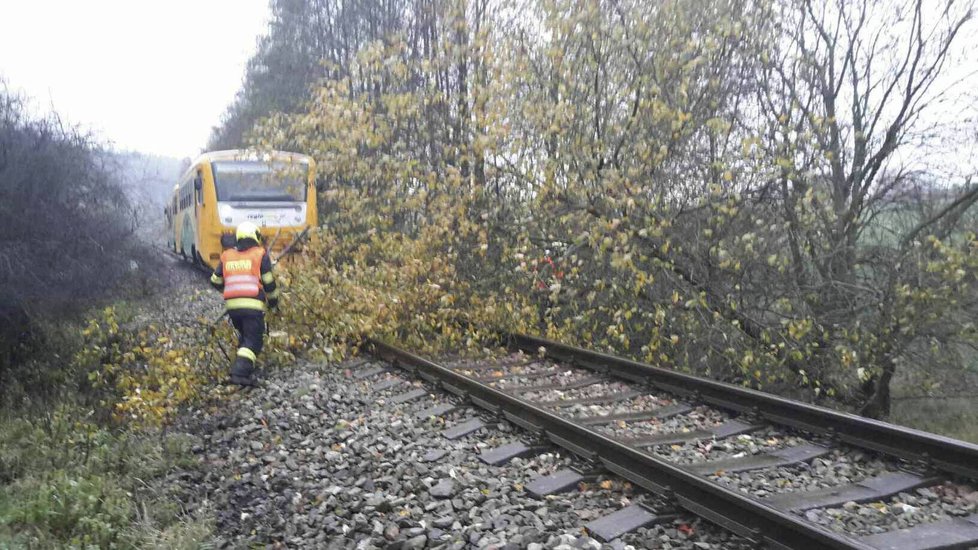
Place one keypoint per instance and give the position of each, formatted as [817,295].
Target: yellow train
[221,189]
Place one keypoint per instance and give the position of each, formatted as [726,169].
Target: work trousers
[250,325]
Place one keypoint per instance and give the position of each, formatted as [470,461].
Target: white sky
[147,75]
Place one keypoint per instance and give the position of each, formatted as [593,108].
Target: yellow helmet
[248,230]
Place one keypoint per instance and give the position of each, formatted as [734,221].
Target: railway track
[704,446]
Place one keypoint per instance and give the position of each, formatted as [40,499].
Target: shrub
[67,481]
[65,224]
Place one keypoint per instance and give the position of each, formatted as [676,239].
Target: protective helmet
[248,230]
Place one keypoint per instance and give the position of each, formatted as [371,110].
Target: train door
[202,226]
[173,225]
[198,193]
[188,226]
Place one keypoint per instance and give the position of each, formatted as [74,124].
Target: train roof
[246,154]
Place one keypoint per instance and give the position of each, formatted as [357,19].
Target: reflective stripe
[245,303]
[241,286]
[275,293]
[268,278]
[242,274]
[247,354]
[240,290]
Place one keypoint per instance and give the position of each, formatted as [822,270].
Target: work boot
[242,372]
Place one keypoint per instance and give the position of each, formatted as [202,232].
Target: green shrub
[61,506]
[66,481]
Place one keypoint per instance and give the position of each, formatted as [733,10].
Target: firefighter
[244,274]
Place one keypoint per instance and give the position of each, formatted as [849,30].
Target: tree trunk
[877,404]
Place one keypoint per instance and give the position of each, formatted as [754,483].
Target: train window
[199,188]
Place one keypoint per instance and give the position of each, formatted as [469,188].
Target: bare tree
[850,85]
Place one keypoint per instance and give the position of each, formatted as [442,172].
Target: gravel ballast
[925,505]
[311,459]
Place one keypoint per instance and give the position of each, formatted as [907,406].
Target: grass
[67,482]
[952,417]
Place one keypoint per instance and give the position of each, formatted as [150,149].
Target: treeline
[65,222]
[739,189]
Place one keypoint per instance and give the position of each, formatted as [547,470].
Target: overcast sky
[151,76]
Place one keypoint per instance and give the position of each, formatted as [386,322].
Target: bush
[61,507]
[67,481]
[144,376]
[65,224]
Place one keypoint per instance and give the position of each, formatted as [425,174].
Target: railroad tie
[557,482]
[368,372]
[408,396]
[557,385]
[524,376]
[596,400]
[498,456]
[437,410]
[661,413]
[608,528]
[386,385]
[722,431]
[433,455]
[463,429]
[955,533]
[870,489]
[780,457]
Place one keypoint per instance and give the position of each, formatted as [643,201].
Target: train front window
[253,181]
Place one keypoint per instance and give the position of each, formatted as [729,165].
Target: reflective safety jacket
[244,274]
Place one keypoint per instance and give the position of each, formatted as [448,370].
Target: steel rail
[185,261]
[934,450]
[735,511]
